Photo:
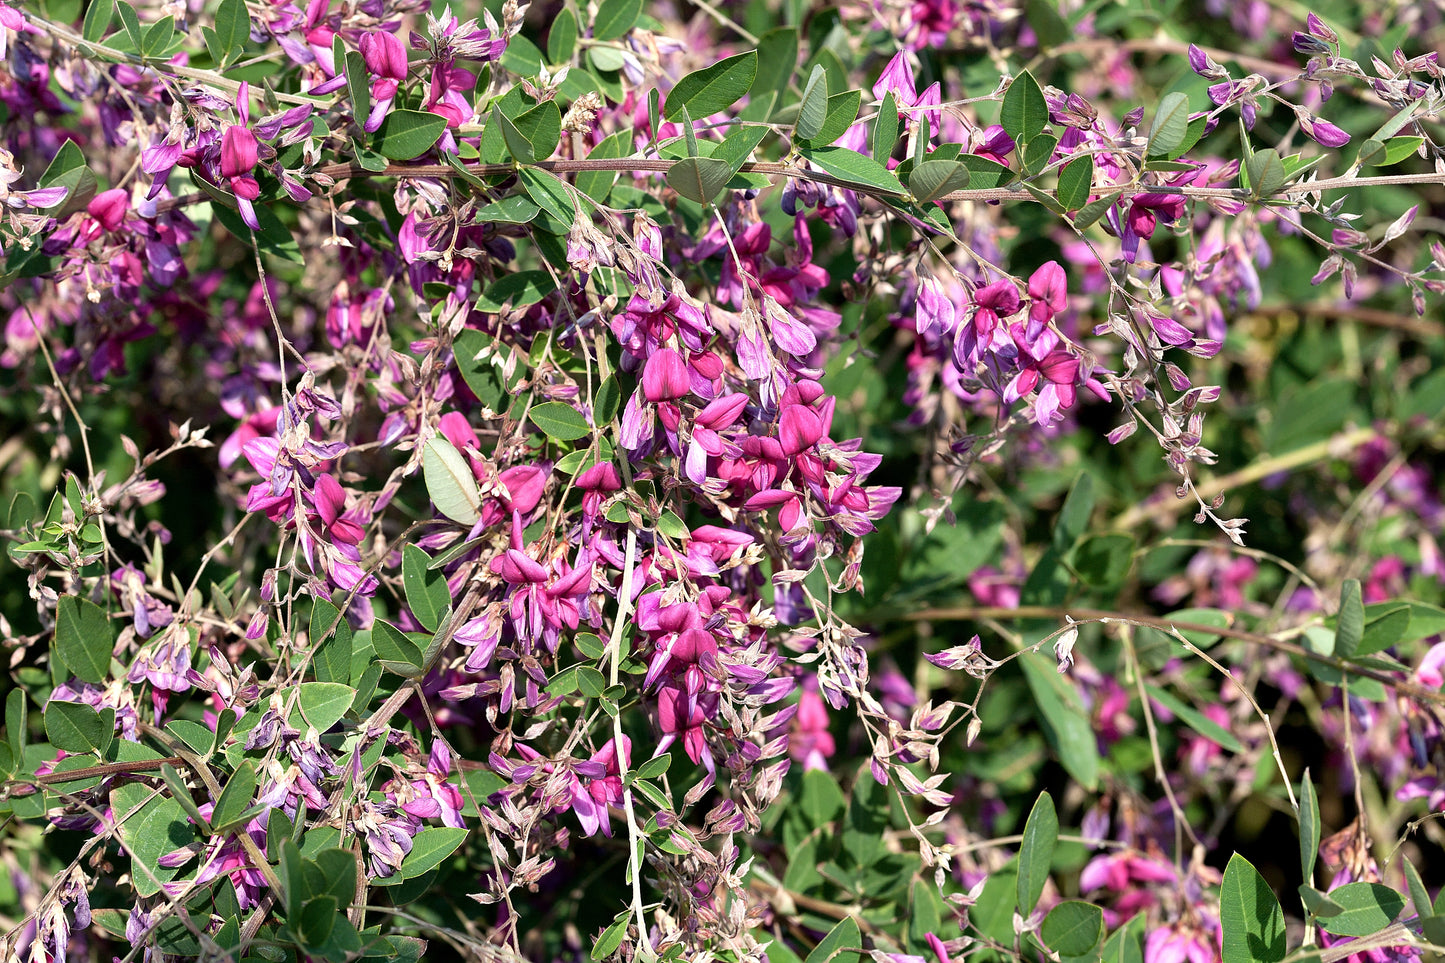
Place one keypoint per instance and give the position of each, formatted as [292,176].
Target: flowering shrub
[523,482]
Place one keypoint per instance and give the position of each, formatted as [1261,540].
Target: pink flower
[664,377]
[897,78]
[810,742]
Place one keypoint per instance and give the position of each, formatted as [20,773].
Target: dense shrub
[715,481]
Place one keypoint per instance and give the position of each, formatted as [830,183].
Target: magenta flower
[385,58]
[897,78]
[664,376]
[809,740]
[602,787]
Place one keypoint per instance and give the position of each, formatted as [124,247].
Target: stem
[970,613]
[634,833]
[1334,447]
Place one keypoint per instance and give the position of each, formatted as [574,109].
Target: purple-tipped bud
[1317,27]
[1325,132]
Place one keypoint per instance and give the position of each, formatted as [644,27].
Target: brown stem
[108,769]
[779,168]
[963,613]
[1349,312]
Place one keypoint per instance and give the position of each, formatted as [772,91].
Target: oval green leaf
[450,482]
[559,421]
[714,88]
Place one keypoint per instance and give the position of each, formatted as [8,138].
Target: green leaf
[1073,928]
[76,727]
[131,23]
[1051,29]
[1024,113]
[597,184]
[1104,561]
[1419,896]
[392,645]
[517,143]
[322,704]
[1195,719]
[1250,916]
[519,289]
[925,913]
[332,637]
[1171,123]
[450,482]
[1318,903]
[1266,173]
[549,193]
[233,26]
[1073,518]
[1383,630]
[842,111]
[885,130]
[1036,852]
[820,800]
[274,238]
[984,172]
[934,178]
[1369,908]
[1124,945]
[1065,722]
[542,126]
[83,638]
[406,134]
[777,59]
[332,872]
[854,169]
[1383,153]
[591,682]
[182,794]
[607,401]
[559,420]
[1039,153]
[358,86]
[1308,827]
[426,591]
[707,91]
[17,719]
[615,18]
[67,169]
[317,920]
[1090,213]
[1350,627]
[236,797]
[813,108]
[866,822]
[157,37]
[611,938]
[699,178]
[158,826]
[654,767]
[429,848]
[562,38]
[841,945]
[509,210]
[1076,182]
[97,20]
